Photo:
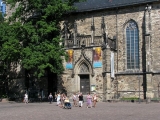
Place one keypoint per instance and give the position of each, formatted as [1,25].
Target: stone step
[5,100]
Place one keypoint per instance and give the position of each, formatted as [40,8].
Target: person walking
[26,98]
[58,96]
[63,96]
[94,100]
[74,97]
[50,97]
[80,100]
[89,101]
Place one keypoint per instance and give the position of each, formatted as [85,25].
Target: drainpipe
[117,36]
[147,46]
[92,31]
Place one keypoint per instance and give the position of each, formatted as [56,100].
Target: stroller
[67,104]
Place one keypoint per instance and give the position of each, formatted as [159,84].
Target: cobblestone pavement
[103,111]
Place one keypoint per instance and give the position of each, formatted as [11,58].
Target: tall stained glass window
[132,45]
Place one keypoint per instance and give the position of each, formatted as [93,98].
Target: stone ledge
[113,100]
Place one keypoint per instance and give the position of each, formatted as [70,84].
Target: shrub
[4,96]
[129,98]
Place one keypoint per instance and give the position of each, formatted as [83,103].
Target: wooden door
[84,84]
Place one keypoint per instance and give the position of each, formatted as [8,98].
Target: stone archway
[83,75]
[83,72]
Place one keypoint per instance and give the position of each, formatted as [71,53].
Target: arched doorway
[84,78]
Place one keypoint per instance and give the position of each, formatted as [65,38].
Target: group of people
[91,99]
[63,101]
[78,100]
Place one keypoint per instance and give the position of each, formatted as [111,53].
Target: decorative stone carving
[77,54]
[84,57]
[84,68]
[89,54]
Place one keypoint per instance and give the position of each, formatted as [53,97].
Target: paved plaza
[103,111]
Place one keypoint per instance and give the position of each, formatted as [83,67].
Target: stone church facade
[113,49]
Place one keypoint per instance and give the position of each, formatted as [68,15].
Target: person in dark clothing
[50,97]
[80,100]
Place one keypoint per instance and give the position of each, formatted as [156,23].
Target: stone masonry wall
[155,40]
[115,21]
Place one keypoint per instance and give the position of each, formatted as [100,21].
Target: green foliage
[129,98]
[155,99]
[31,37]
[4,96]
[1,17]
[10,45]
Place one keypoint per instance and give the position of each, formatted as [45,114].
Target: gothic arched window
[132,45]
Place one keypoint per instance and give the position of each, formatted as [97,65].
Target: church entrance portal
[84,84]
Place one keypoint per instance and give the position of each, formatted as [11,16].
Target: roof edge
[114,6]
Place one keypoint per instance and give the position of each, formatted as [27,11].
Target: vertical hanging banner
[97,57]
[112,64]
[69,64]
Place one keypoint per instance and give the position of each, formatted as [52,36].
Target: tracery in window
[132,45]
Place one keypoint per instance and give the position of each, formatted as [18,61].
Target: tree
[10,51]
[35,26]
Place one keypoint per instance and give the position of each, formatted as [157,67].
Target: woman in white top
[26,98]
[58,99]
[74,97]
[94,100]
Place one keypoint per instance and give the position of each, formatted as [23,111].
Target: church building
[113,48]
